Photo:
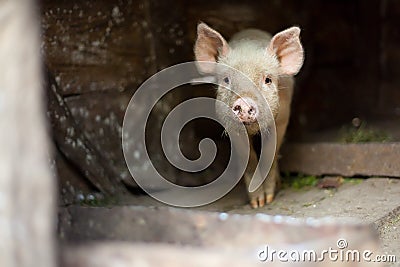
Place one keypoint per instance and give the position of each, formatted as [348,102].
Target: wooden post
[27,202]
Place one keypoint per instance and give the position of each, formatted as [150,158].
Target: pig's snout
[245,109]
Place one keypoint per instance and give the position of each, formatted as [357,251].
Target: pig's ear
[209,46]
[287,48]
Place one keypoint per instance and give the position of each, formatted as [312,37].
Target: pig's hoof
[257,202]
[270,198]
[260,201]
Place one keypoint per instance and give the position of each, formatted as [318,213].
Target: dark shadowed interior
[99,52]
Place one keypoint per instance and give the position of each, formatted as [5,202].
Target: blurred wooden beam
[27,206]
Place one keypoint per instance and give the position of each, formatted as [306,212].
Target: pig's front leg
[266,192]
[270,183]
[259,197]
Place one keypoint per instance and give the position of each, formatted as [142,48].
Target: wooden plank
[368,159]
[77,148]
[166,236]
[96,45]
[27,187]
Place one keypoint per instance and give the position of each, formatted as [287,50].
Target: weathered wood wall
[99,52]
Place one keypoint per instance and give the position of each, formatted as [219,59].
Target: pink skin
[246,110]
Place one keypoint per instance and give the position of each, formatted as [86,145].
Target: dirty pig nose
[245,109]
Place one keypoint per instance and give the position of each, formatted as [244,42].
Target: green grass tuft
[298,181]
[362,134]
[97,200]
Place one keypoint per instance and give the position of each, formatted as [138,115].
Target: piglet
[270,62]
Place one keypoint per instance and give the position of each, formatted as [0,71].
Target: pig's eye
[226,80]
[268,80]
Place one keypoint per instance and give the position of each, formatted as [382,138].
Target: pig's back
[254,36]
